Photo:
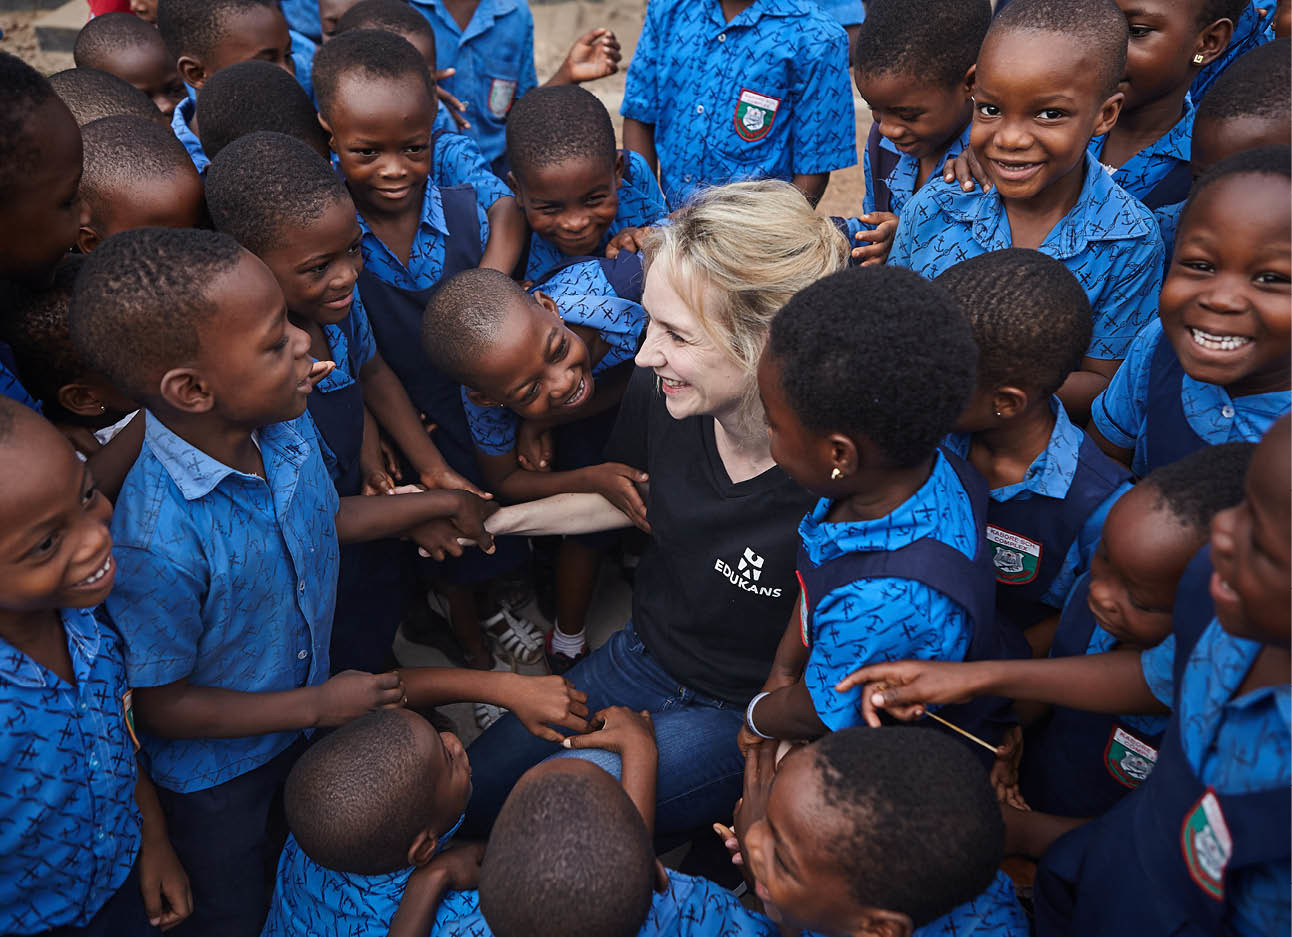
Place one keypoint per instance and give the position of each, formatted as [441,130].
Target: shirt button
[699,109]
[722,37]
[686,178]
[84,706]
[302,654]
[302,586]
[94,762]
[1227,411]
[100,834]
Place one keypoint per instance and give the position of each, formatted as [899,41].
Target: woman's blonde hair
[748,247]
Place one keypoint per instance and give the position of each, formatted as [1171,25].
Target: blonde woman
[716,584]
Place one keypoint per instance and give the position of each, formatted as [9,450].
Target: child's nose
[1224,295]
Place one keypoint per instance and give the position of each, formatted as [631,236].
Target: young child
[226,532]
[204,36]
[555,358]
[892,560]
[40,177]
[81,820]
[912,62]
[1254,26]
[1079,764]
[1249,107]
[91,94]
[252,96]
[1051,486]
[890,831]
[126,46]
[1214,366]
[1045,83]
[283,202]
[137,175]
[576,189]
[1201,846]
[718,92]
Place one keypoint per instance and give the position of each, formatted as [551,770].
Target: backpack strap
[1172,189]
[462,250]
[882,162]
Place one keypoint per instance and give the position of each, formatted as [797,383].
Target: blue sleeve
[641,203]
[156,605]
[900,254]
[493,429]
[483,204]
[874,620]
[302,56]
[1158,665]
[1082,548]
[868,200]
[365,346]
[458,160]
[527,77]
[1120,410]
[641,89]
[1131,302]
[1168,222]
[823,135]
[11,387]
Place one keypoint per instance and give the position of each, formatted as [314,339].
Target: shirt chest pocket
[754,113]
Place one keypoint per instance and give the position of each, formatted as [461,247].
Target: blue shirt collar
[197,474]
[483,18]
[1175,143]
[83,642]
[760,9]
[432,214]
[1051,473]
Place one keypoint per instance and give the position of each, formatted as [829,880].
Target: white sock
[570,645]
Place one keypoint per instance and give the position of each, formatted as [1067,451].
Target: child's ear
[619,168]
[185,390]
[191,70]
[87,239]
[549,304]
[843,455]
[514,185]
[1212,41]
[1108,112]
[422,849]
[885,923]
[81,399]
[1009,402]
[480,399]
[661,877]
[970,76]
[331,141]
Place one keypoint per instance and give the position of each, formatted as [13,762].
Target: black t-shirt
[716,586]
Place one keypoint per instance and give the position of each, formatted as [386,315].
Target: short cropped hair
[1263,161]
[933,40]
[391,16]
[375,53]
[91,94]
[1194,489]
[569,855]
[1257,84]
[251,96]
[356,799]
[922,831]
[195,27]
[1212,10]
[140,300]
[876,352]
[25,91]
[1097,25]
[126,150]
[553,125]
[36,328]
[265,184]
[109,33]
[465,317]
[1030,318]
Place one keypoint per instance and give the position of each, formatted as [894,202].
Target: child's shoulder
[692,905]
[939,202]
[1110,213]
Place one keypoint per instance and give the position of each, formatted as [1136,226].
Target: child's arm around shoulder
[536,700]
[1117,415]
[456,868]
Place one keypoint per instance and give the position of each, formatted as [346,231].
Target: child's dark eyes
[1052,114]
[279,345]
[1204,267]
[418,148]
[561,349]
[88,496]
[45,547]
[531,393]
[1270,278]
[1139,32]
[365,152]
[988,110]
[594,200]
[354,249]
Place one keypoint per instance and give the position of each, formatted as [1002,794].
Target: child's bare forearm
[507,233]
[431,687]
[788,713]
[422,895]
[791,656]
[390,405]
[1111,682]
[640,138]
[188,711]
[369,519]
[638,774]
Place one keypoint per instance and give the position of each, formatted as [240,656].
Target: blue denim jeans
[700,767]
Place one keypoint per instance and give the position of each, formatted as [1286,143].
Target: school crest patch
[755,114]
[1016,558]
[803,611]
[501,94]
[1207,845]
[1128,759]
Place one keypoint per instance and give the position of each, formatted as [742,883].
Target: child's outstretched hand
[442,476]
[1004,771]
[618,484]
[456,107]
[629,239]
[965,167]
[534,447]
[319,371]
[440,537]
[168,897]
[904,688]
[594,55]
[350,694]
[616,729]
[376,481]
[540,700]
[878,241]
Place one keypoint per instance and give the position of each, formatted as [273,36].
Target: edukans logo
[747,573]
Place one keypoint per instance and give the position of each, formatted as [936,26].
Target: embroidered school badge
[754,114]
[1016,558]
[501,94]
[1128,759]
[128,711]
[803,611]
[1207,845]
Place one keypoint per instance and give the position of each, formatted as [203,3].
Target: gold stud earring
[102,409]
[1197,58]
[836,474]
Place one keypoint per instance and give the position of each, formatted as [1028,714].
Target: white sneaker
[486,714]
[521,641]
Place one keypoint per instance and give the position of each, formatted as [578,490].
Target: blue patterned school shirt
[765,95]
[1050,476]
[494,58]
[1120,412]
[1168,224]
[179,123]
[847,12]
[901,181]
[302,56]
[310,899]
[1252,29]
[1155,162]
[340,377]
[885,618]
[584,298]
[1236,745]
[227,580]
[457,161]
[1109,241]
[641,204]
[69,827]
[303,17]
[10,386]
[994,911]
[426,259]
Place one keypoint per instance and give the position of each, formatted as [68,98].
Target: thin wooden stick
[965,733]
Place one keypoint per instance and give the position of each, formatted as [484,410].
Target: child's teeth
[98,574]
[1218,343]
